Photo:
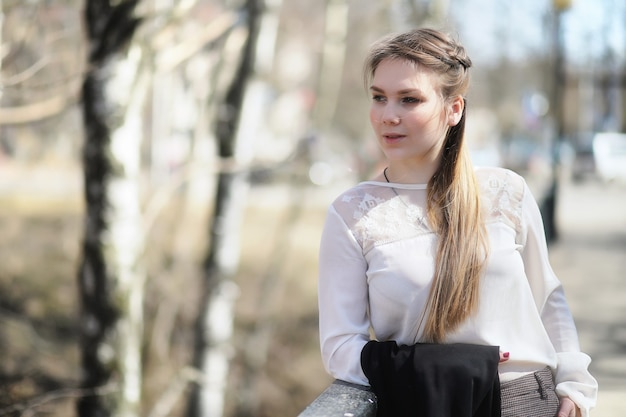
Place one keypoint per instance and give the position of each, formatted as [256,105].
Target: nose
[390,115]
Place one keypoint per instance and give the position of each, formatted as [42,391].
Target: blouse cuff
[574,381]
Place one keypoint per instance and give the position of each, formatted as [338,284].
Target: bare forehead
[398,74]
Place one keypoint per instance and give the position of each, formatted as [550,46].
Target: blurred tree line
[173,110]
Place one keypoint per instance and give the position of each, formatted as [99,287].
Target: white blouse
[376,266]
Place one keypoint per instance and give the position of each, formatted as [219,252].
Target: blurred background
[217,133]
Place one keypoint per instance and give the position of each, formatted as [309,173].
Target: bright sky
[490,28]
[593,23]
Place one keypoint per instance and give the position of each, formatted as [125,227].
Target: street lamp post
[557,105]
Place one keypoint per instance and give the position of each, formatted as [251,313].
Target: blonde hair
[453,196]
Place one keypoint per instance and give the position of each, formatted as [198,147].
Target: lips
[393,137]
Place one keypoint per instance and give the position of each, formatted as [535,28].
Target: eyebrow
[401,92]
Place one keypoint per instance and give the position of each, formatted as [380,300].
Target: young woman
[434,252]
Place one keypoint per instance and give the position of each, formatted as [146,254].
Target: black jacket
[433,380]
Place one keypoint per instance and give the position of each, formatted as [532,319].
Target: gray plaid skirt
[532,395]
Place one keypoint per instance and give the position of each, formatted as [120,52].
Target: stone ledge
[343,399]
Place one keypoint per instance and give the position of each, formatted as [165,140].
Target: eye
[411,100]
[378,98]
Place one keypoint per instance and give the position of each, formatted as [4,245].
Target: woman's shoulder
[377,213]
[363,192]
[357,201]
[497,179]
[502,191]
[497,172]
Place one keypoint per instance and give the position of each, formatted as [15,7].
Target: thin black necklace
[420,218]
[385,173]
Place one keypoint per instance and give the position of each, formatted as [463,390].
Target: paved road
[590,260]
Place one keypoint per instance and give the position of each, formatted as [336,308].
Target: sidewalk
[590,260]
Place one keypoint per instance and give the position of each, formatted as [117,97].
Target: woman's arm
[343,301]
[572,378]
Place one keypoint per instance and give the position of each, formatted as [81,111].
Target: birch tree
[215,322]
[111,277]
[332,62]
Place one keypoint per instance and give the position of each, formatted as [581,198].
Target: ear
[455,110]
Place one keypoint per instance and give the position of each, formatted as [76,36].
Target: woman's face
[408,114]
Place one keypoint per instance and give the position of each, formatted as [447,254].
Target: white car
[609,152]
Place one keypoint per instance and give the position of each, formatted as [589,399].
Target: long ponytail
[455,214]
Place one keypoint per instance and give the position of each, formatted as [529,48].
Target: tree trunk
[215,321]
[332,63]
[111,277]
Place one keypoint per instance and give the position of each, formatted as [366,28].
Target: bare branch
[166,402]
[51,396]
[171,58]
[26,74]
[35,111]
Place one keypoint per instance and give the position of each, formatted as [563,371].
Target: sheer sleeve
[572,377]
[343,300]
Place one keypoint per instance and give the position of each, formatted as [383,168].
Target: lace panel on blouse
[378,213]
[502,194]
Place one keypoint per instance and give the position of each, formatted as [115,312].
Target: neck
[402,175]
